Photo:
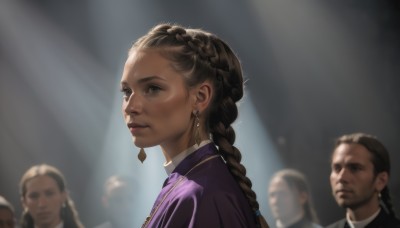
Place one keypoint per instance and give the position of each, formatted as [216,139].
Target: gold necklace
[148,219]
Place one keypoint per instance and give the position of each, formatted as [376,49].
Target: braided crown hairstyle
[202,56]
[68,213]
[380,160]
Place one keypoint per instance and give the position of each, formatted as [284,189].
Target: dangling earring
[142,155]
[197,138]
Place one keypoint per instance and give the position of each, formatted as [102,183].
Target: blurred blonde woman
[45,199]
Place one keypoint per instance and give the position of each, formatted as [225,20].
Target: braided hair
[68,213]
[202,56]
[380,160]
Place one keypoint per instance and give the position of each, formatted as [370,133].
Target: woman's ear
[203,95]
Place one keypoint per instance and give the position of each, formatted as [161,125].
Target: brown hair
[69,215]
[5,205]
[202,56]
[380,160]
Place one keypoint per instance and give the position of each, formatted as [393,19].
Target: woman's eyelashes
[126,92]
[149,89]
[152,89]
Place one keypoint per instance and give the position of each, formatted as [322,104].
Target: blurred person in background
[119,202]
[7,214]
[360,170]
[45,199]
[290,200]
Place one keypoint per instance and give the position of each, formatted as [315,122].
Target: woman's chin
[141,144]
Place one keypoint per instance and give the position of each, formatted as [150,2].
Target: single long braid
[203,56]
[225,113]
[221,118]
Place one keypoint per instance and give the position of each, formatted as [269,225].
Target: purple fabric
[207,197]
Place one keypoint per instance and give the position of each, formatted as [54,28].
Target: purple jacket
[208,196]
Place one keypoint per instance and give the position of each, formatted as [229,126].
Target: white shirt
[171,165]
[362,223]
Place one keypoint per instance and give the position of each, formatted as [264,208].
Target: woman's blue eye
[153,89]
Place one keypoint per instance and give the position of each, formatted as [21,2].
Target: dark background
[315,70]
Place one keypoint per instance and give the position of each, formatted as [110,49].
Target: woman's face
[157,106]
[44,200]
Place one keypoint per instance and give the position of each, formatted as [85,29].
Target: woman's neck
[171,150]
[174,162]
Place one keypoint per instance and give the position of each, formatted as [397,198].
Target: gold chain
[148,218]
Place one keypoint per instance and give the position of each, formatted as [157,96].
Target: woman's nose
[133,104]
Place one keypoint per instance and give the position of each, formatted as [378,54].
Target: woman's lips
[134,127]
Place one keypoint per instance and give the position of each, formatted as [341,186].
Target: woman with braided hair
[359,179]
[180,87]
